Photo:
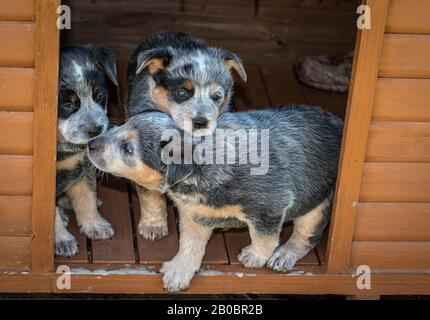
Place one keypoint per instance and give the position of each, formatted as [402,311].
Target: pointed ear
[154,60]
[107,61]
[233,61]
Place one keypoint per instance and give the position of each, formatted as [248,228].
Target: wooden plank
[216,252]
[346,5]
[237,239]
[16,89]
[252,94]
[15,215]
[399,142]
[405,56]
[23,10]
[16,175]
[237,8]
[45,134]
[15,252]
[402,100]
[82,255]
[408,16]
[358,115]
[282,86]
[115,209]
[16,133]
[393,222]
[391,255]
[17,39]
[330,101]
[158,251]
[395,182]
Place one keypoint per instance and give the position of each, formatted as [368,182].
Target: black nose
[95,131]
[200,123]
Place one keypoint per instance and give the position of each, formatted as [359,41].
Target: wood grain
[408,16]
[395,182]
[252,94]
[16,133]
[16,175]
[216,252]
[399,142]
[402,100]
[358,115]
[17,39]
[391,255]
[15,215]
[16,89]
[395,222]
[405,56]
[45,134]
[24,10]
[15,253]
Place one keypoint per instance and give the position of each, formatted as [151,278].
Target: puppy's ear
[233,61]
[107,61]
[154,59]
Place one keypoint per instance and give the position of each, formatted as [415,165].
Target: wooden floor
[269,45]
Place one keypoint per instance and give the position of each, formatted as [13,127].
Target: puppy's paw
[64,217]
[97,229]
[251,259]
[282,260]
[66,247]
[176,276]
[153,231]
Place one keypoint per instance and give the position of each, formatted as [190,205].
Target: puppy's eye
[217,97]
[68,105]
[128,148]
[182,93]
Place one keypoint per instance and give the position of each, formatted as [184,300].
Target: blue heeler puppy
[183,77]
[82,116]
[298,185]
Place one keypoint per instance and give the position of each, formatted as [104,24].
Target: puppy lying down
[296,185]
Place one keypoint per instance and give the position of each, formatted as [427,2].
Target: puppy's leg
[261,248]
[65,242]
[307,233]
[179,271]
[82,195]
[153,214]
[64,202]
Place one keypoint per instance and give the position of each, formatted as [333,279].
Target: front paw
[282,260]
[97,229]
[176,276]
[251,259]
[153,231]
[66,247]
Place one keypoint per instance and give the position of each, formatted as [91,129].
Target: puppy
[182,76]
[297,185]
[82,116]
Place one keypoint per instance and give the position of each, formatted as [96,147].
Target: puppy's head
[83,92]
[192,86]
[133,150]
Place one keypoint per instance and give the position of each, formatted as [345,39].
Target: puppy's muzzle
[200,123]
[94,132]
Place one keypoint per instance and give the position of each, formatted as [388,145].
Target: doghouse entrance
[269,36]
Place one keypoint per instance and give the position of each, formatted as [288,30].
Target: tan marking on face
[305,226]
[132,135]
[161,100]
[143,175]
[70,162]
[187,84]
[155,65]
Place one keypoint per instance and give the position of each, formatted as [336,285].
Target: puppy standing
[82,116]
[297,183]
[182,76]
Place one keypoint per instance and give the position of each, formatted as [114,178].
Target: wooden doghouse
[381,214]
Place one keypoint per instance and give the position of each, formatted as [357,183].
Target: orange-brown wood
[252,94]
[15,252]
[45,134]
[216,252]
[393,222]
[15,215]
[391,255]
[405,56]
[17,10]
[16,89]
[16,133]
[402,100]
[359,111]
[17,39]
[399,142]
[395,182]
[408,16]
[16,175]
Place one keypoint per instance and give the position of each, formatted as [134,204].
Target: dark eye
[128,148]
[216,97]
[68,105]
[100,98]
[182,93]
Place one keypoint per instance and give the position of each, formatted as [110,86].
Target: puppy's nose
[95,131]
[200,123]
[96,144]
